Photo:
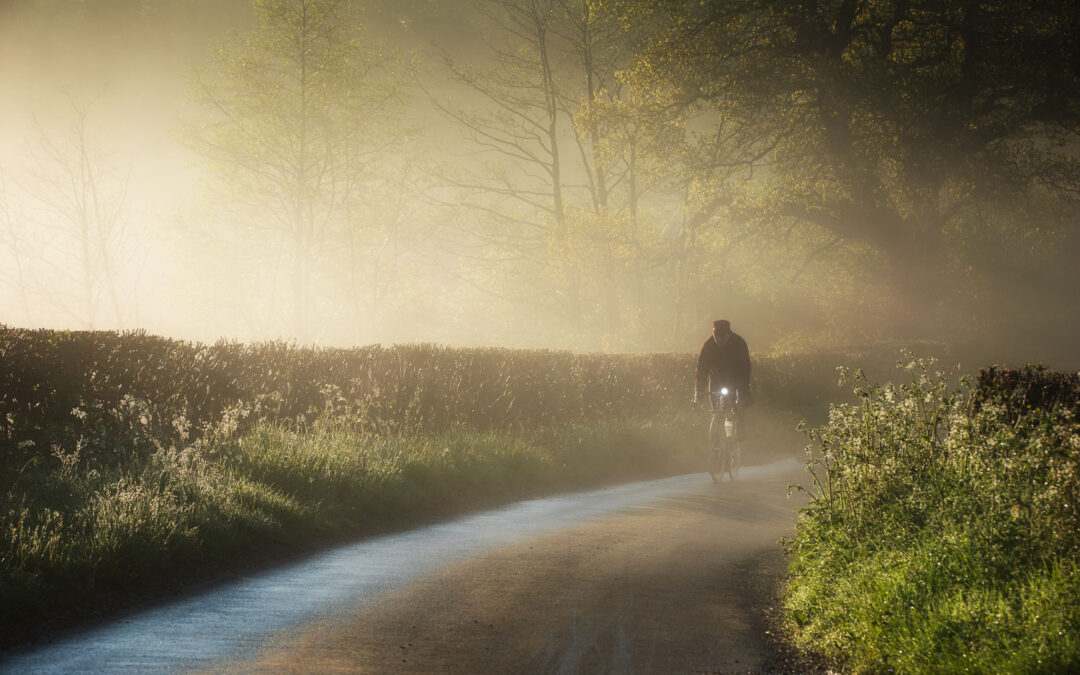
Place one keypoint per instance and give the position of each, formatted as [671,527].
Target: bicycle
[725,452]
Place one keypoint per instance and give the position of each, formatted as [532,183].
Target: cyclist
[725,362]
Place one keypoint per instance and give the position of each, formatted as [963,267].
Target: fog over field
[601,175]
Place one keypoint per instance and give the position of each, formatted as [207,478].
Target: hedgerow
[116,391]
[943,531]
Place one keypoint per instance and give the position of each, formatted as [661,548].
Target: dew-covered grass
[76,530]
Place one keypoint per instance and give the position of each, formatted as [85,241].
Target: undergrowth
[942,533]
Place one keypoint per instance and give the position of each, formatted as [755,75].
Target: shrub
[943,529]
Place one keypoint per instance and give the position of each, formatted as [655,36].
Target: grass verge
[76,532]
[941,536]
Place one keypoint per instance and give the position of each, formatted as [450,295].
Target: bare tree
[14,240]
[558,199]
[82,198]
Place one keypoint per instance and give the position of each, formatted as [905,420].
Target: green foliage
[1020,390]
[941,536]
[804,380]
[124,394]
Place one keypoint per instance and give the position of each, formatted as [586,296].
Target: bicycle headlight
[723,391]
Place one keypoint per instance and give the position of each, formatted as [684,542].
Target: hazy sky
[131,64]
[133,60]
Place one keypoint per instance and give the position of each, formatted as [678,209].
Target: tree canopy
[935,132]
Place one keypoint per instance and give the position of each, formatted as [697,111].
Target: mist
[593,180]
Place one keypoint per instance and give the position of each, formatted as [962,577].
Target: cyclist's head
[721,330]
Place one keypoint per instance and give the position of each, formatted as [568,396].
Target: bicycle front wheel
[717,444]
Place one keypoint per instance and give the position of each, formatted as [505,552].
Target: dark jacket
[727,366]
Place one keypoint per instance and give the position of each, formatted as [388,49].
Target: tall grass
[942,535]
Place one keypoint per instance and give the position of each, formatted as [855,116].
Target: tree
[14,241]
[301,109]
[558,186]
[916,127]
[379,269]
[517,132]
[82,198]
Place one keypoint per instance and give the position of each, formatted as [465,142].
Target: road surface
[660,576]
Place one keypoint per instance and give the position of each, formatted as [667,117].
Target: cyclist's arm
[744,359]
[701,379]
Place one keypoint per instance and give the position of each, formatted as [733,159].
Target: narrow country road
[661,576]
